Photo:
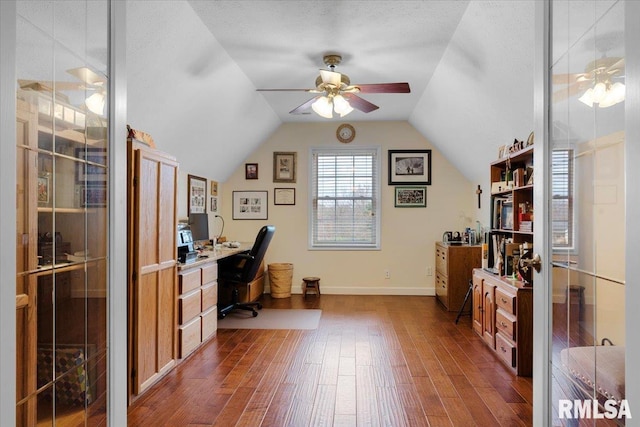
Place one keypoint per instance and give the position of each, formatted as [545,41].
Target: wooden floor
[374,360]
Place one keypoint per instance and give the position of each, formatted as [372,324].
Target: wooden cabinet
[153,178]
[454,267]
[503,317]
[197,305]
[512,206]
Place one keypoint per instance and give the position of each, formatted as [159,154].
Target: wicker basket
[280,277]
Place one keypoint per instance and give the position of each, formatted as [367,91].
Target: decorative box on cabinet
[454,267]
[503,317]
[197,305]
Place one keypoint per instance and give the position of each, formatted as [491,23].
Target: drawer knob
[504,350]
[504,325]
[504,301]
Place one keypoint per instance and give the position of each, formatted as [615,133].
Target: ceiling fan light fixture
[323,107]
[95,103]
[341,105]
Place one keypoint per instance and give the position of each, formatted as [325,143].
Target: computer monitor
[199,225]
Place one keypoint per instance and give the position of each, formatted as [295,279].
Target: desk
[197,308]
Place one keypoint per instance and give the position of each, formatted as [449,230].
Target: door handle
[534,262]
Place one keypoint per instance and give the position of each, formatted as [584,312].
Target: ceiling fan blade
[384,88]
[285,90]
[360,104]
[87,75]
[304,108]
[567,79]
[616,67]
[331,77]
[48,86]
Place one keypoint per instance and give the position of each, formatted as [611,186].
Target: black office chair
[242,268]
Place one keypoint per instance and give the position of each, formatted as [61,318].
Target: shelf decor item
[250,205]
[409,167]
[197,193]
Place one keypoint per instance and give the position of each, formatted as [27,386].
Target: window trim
[376,194]
[571,246]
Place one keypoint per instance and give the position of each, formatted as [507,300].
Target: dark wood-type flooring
[374,360]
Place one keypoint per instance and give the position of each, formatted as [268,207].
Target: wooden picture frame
[284,166]
[92,169]
[409,167]
[196,194]
[250,205]
[214,188]
[410,197]
[250,171]
[284,196]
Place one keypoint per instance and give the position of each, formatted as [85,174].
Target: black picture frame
[250,205]
[92,169]
[411,197]
[409,167]
[250,171]
[284,196]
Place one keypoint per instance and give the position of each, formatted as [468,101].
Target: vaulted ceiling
[194,67]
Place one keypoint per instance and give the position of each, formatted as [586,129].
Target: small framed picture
[250,205]
[250,171]
[409,167]
[214,204]
[411,197]
[284,196]
[197,194]
[214,188]
[94,196]
[92,169]
[43,189]
[284,166]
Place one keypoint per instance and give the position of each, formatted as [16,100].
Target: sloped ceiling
[194,67]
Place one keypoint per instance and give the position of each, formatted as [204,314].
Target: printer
[186,252]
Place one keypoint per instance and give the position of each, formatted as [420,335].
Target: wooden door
[153,287]
[489,313]
[477,304]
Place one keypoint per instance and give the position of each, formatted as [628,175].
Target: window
[562,199]
[344,198]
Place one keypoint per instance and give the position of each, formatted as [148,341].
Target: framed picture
[214,188]
[250,205]
[197,194]
[92,169]
[250,171]
[411,197]
[284,166]
[214,204]
[284,196]
[409,167]
[506,216]
[43,189]
[93,196]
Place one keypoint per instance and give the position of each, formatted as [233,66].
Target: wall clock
[345,133]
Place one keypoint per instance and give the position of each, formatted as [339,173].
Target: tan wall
[407,234]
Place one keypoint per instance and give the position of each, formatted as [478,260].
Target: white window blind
[562,198]
[344,204]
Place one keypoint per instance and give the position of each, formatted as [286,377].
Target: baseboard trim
[338,290]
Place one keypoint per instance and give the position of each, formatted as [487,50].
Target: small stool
[311,283]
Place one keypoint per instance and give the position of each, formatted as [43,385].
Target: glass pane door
[61,286]
[587,229]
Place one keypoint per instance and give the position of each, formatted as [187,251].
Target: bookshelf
[511,208]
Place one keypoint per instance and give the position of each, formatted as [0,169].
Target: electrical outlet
[429,271]
[387,274]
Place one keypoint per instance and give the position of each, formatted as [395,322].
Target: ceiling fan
[89,81]
[336,93]
[602,83]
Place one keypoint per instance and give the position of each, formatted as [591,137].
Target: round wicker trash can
[280,277]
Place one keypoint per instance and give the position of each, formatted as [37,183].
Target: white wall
[408,234]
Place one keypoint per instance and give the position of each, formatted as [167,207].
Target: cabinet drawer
[209,323]
[505,301]
[189,306]
[189,280]
[209,273]
[506,323]
[189,336]
[209,296]
[441,287]
[441,259]
[506,350]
